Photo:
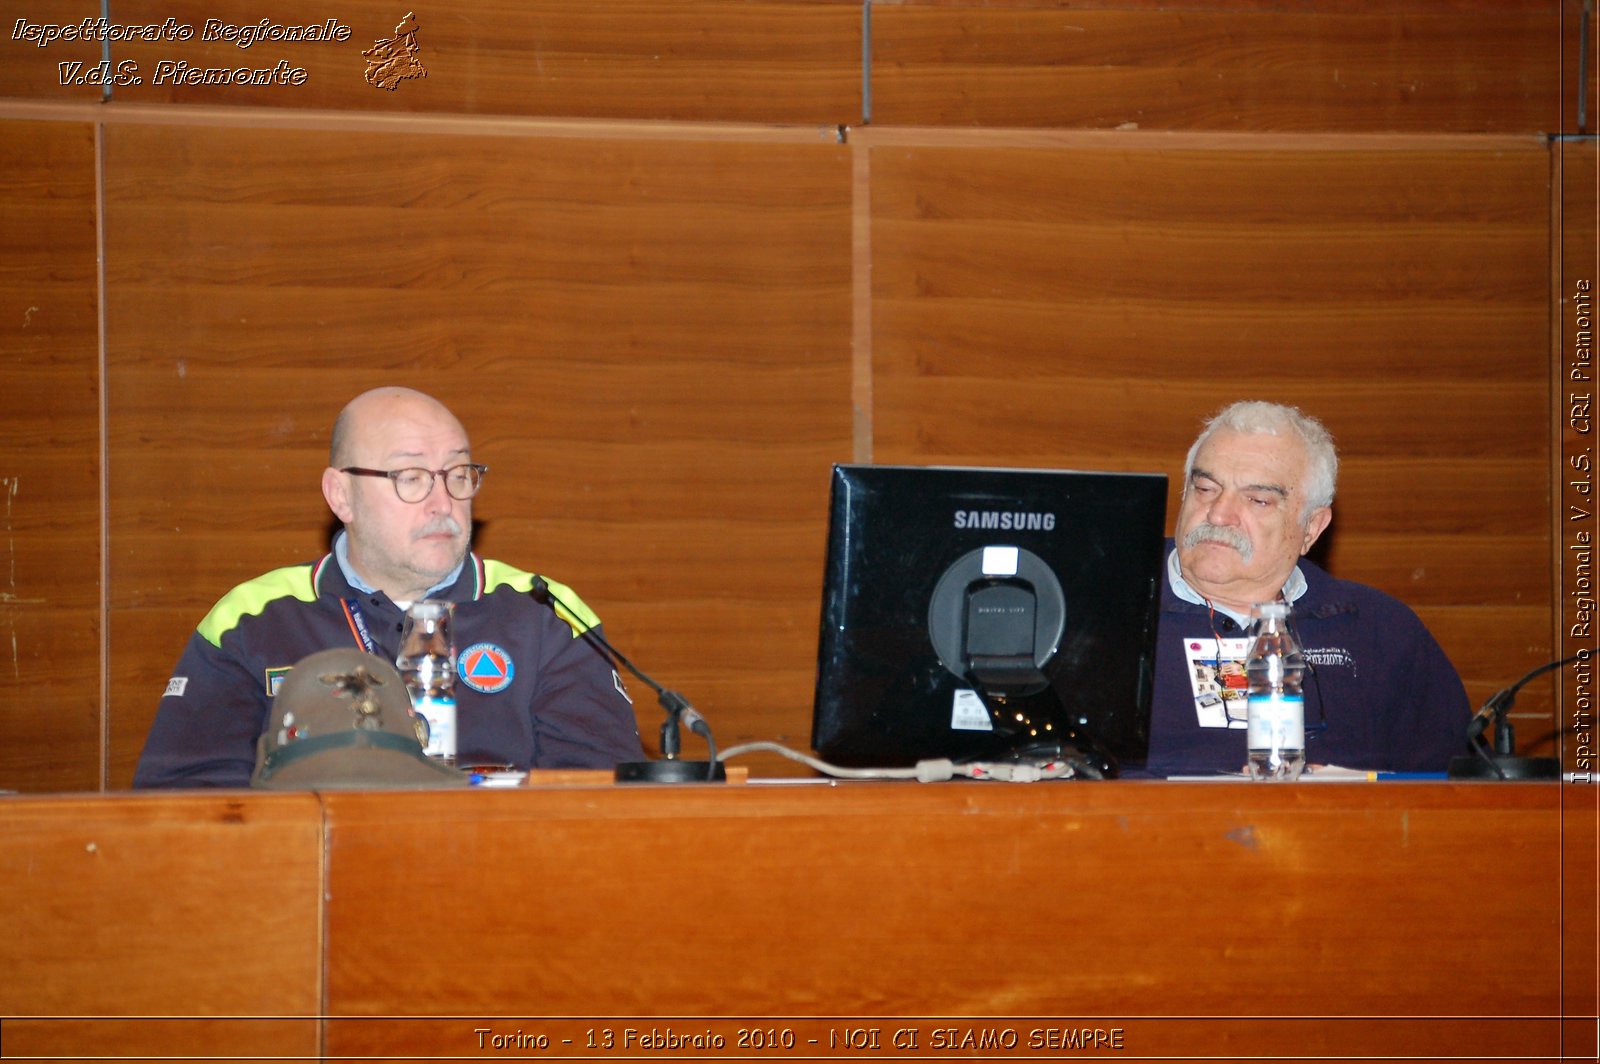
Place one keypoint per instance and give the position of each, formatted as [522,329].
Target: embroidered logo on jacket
[486,667]
[1324,657]
[275,679]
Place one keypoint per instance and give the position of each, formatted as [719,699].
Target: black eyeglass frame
[394,476]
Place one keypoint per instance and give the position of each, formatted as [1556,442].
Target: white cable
[822,766]
[933,770]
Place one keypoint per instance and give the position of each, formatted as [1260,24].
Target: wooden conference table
[803,919]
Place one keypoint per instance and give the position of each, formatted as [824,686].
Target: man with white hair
[1379,692]
[530,693]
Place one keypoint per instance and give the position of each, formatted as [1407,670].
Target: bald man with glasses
[401,479]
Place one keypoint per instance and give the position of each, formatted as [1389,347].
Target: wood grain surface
[1428,68]
[38,61]
[779,61]
[654,363]
[1089,307]
[667,274]
[397,924]
[913,900]
[1575,504]
[50,464]
[201,908]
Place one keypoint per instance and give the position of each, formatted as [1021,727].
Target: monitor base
[1469,767]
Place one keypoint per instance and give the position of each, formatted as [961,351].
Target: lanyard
[358,625]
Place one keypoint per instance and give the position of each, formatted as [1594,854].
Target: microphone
[1503,764]
[677,707]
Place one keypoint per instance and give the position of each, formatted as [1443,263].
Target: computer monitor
[977,614]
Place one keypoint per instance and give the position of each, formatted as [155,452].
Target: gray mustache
[1206,532]
[446,525]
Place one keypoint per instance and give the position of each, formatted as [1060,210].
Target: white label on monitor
[967,712]
[999,561]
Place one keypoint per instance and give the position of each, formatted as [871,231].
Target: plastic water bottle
[427,664]
[1277,708]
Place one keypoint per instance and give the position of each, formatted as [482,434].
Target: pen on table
[1407,775]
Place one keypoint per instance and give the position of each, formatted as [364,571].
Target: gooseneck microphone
[670,769]
[1502,763]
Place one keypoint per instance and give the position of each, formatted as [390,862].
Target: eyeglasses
[413,484]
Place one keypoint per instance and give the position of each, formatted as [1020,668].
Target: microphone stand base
[1468,767]
[672,771]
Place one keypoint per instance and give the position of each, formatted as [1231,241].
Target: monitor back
[886,696]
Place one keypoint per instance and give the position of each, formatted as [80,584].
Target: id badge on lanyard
[1217,679]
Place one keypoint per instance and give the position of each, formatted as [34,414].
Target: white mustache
[446,525]
[1206,532]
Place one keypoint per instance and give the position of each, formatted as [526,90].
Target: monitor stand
[1039,730]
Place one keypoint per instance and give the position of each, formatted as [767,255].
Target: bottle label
[1277,722]
[440,713]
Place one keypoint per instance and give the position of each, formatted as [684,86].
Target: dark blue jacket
[1391,698]
[538,696]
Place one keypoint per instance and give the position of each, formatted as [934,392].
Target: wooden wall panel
[1427,67]
[206,907]
[49,459]
[1578,103]
[648,325]
[32,54]
[1089,306]
[792,61]
[648,340]
[1576,459]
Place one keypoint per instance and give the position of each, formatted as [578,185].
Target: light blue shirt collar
[341,554]
[1293,588]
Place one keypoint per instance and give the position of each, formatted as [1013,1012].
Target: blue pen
[1407,776]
